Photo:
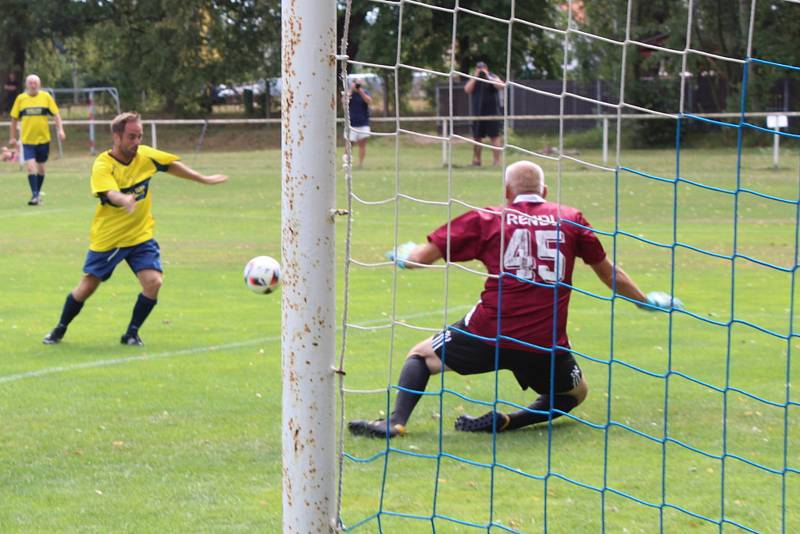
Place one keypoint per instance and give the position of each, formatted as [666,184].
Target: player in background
[542,241]
[32,108]
[122,228]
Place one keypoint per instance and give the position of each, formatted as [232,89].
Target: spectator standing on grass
[484,91]
[359,118]
[11,89]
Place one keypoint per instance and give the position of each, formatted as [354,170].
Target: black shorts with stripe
[468,355]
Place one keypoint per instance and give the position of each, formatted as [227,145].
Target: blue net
[691,422]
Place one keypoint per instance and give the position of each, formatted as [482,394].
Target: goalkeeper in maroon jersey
[541,241]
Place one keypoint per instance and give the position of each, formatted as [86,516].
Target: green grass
[186,438]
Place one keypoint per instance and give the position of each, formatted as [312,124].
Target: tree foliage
[173,50]
[24,24]
[165,54]
[719,28]
[169,51]
[427,36]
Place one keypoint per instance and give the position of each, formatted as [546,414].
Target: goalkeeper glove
[658,300]
[400,256]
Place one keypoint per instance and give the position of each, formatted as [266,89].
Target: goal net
[691,421]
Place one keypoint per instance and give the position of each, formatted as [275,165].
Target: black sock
[71,308]
[141,310]
[33,182]
[565,403]
[39,183]
[415,375]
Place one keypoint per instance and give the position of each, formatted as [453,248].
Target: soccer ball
[262,274]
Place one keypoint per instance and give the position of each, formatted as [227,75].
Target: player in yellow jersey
[122,228]
[32,108]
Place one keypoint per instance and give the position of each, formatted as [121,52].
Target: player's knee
[425,352]
[154,283]
[86,288]
[581,391]
[151,281]
[423,349]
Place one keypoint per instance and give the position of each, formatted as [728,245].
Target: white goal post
[308,248]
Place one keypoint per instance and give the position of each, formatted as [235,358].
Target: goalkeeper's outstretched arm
[625,285]
[425,254]
[412,256]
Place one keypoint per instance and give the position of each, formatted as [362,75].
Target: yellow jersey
[112,226]
[33,112]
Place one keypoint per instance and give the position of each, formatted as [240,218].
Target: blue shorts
[143,256]
[38,152]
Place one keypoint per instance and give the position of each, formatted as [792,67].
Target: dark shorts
[467,355]
[143,256]
[481,129]
[38,152]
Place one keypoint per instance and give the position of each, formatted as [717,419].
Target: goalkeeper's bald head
[524,177]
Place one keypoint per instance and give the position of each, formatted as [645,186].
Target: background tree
[427,38]
[172,50]
[24,23]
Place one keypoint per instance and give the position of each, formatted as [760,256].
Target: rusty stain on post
[308,257]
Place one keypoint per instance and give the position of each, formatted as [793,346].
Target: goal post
[308,330]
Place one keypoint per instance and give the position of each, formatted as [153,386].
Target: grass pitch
[183,435]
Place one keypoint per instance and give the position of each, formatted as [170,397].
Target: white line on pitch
[32,212]
[186,352]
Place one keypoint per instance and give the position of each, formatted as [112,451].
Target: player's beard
[129,153]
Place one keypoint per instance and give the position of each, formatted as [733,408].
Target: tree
[24,22]
[718,27]
[172,50]
[428,35]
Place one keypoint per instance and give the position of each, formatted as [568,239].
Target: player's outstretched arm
[180,170]
[425,254]
[626,287]
[412,256]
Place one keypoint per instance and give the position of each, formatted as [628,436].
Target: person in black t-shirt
[485,101]
[359,118]
[11,90]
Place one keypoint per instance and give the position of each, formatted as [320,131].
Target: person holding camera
[484,91]
[359,118]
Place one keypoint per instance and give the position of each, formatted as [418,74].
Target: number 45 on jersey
[519,256]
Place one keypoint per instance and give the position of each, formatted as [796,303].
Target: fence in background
[447,125]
